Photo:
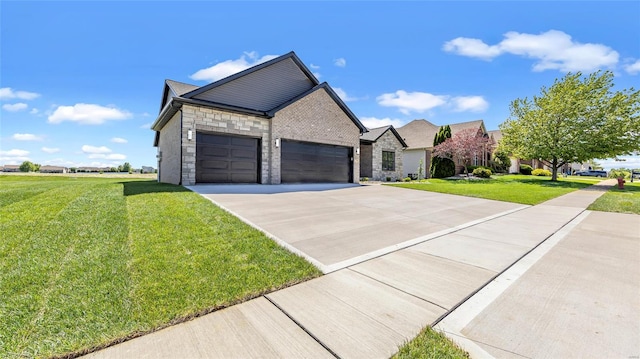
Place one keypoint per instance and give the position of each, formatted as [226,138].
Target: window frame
[388,160]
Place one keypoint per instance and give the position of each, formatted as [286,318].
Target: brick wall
[203,119]
[315,118]
[386,142]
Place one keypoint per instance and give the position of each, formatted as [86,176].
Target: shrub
[364,179]
[388,179]
[525,169]
[442,167]
[620,172]
[541,172]
[407,179]
[482,172]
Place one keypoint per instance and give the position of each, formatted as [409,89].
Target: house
[53,169]
[419,136]
[147,169]
[272,123]
[11,168]
[381,154]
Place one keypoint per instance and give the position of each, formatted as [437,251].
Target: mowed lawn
[626,200]
[510,188]
[89,261]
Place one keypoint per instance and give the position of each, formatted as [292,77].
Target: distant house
[11,168]
[381,154]
[271,123]
[92,169]
[53,169]
[147,169]
[419,136]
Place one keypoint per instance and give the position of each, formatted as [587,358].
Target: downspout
[181,154]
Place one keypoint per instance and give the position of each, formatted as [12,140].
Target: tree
[464,146]
[126,167]
[28,166]
[442,167]
[575,120]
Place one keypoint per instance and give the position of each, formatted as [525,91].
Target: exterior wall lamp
[277,142]
[189,135]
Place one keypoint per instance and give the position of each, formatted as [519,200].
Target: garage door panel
[226,159]
[314,162]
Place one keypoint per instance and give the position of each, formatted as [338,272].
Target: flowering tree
[463,146]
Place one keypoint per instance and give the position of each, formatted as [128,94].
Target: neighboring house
[92,169]
[272,123]
[381,154]
[53,169]
[11,168]
[147,169]
[419,136]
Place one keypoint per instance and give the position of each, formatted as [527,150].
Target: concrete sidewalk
[368,309]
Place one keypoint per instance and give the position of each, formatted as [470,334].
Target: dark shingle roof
[496,134]
[375,133]
[457,127]
[180,88]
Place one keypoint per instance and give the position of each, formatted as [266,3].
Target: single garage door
[227,159]
[314,162]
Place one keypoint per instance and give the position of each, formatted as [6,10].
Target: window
[388,161]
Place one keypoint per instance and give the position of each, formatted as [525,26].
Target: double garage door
[235,159]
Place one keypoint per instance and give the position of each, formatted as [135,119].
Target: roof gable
[375,133]
[477,124]
[174,89]
[418,133]
[262,87]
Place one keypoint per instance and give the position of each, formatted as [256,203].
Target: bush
[526,169]
[620,172]
[442,167]
[407,179]
[482,172]
[541,172]
[364,179]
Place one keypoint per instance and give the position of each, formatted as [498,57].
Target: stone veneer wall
[387,142]
[204,119]
[315,118]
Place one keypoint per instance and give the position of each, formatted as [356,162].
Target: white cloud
[15,107]
[314,67]
[552,50]
[26,137]
[341,62]
[408,102]
[50,150]
[317,75]
[87,114]
[373,122]
[110,156]
[230,67]
[469,103]
[118,140]
[147,125]
[7,93]
[34,111]
[631,162]
[94,149]
[14,156]
[633,68]
[471,48]
[343,95]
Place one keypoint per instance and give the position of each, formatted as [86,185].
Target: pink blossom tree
[463,146]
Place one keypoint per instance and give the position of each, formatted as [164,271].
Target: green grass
[509,188]
[85,262]
[625,200]
[430,344]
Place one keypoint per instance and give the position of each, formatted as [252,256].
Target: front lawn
[509,188]
[90,261]
[625,200]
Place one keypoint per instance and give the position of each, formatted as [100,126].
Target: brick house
[272,123]
[381,154]
[419,136]
[53,169]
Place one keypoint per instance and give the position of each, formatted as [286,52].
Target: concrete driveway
[335,226]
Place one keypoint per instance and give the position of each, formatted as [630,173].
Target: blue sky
[81,82]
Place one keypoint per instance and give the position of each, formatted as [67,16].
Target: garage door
[314,162]
[226,159]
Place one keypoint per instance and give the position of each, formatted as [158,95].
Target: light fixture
[189,135]
[277,142]
[357,150]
